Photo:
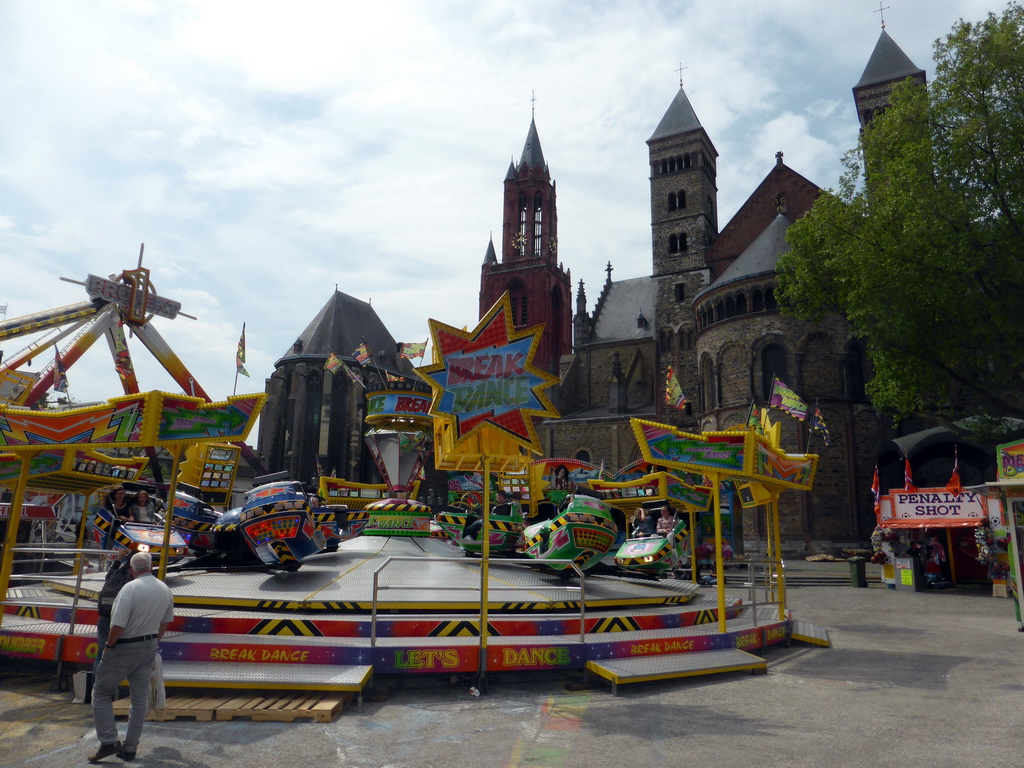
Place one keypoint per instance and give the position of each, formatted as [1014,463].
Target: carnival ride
[397,605]
[399,441]
[505,529]
[658,555]
[582,533]
[122,302]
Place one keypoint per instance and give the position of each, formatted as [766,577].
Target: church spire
[533,156]
[887,66]
[888,62]
[678,119]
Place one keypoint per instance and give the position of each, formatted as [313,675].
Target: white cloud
[266,152]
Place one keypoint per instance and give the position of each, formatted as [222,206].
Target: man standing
[142,611]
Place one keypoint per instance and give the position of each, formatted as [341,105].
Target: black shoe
[106,750]
[126,754]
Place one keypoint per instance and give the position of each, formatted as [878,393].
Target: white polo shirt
[142,605]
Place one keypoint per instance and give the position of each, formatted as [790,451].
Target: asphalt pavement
[913,679]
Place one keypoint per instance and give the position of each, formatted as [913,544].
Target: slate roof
[340,326]
[760,257]
[887,62]
[490,257]
[618,312]
[533,155]
[679,118]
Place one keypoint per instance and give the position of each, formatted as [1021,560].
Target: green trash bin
[857,575]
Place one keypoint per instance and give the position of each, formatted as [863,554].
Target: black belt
[138,639]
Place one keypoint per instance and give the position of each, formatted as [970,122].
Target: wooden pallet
[258,707]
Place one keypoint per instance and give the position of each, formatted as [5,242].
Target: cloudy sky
[267,151]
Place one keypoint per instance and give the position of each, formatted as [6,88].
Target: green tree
[924,254]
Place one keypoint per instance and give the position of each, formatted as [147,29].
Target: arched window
[686,161]
[681,198]
[853,373]
[671,201]
[769,299]
[673,244]
[521,246]
[757,301]
[707,394]
[719,312]
[682,242]
[773,365]
[583,455]
[741,304]
[517,296]
[664,166]
[730,307]
[538,229]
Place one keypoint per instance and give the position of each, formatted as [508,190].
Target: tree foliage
[923,253]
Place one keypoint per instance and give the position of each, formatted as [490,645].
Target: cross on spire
[608,269]
[680,71]
[881,12]
[533,103]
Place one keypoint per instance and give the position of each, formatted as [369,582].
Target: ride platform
[318,629]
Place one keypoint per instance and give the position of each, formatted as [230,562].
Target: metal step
[806,632]
[277,677]
[664,667]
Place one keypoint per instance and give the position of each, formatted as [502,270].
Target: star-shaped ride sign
[486,377]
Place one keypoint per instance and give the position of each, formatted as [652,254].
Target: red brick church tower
[529,269]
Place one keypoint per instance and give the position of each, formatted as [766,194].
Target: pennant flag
[955,486]
[754,418]
[60,375]
[908,477]
[412,351]
[3,310]
[333,363]
[674,397]
[319,469]
[785,399]
[392,377]
[875,492]
[818,423]
[362,354]
[240,354]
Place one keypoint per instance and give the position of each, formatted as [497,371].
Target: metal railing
[474,588]
[76,570]
[763,569]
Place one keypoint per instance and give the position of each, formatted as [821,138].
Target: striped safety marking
[293,627]
[616,624]
[461,629]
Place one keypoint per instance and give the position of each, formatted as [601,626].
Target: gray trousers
[131,661]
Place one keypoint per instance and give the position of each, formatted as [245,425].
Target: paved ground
[913,679]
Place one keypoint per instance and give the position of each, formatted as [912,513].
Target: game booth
[941,537]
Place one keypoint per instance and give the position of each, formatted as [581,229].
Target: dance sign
[486,378]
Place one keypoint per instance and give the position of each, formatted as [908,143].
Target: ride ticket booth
[931,538]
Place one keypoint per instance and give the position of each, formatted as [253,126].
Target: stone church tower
[684,222]
[529,269]
[887,66]
[708,310]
